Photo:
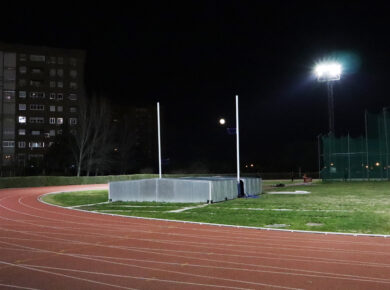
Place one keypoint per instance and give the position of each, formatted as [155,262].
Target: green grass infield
[350,207]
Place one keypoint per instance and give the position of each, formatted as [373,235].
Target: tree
[92,135]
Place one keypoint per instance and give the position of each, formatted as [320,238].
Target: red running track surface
[47,247]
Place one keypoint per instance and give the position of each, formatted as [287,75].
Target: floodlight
[327,72]
[222,121]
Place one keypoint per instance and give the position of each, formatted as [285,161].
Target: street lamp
[328,73]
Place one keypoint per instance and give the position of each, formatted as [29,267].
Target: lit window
[52,108]
[60,97]
[22,132]
[52,132]
[22,94]
[60,84]
[9,144]
[37,107]
[35,133]
[9,96]
[22,107]
[73,109]
[72,121]
[22,69]
[36,144]
[37,120]
[52,120]
[7,157]
[60,121]
[52,96]
[22,119]
[59,108]
[22,144]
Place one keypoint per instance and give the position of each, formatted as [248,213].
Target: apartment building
[40,88]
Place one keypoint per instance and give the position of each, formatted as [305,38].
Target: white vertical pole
[238,144]
[159,140]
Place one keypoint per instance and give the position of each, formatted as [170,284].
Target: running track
[47,247]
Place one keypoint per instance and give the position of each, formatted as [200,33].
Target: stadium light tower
[328,73]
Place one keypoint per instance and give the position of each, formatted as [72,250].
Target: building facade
[40,88]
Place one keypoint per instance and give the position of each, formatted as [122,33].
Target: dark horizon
[194,57]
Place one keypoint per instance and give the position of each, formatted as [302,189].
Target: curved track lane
[47,247]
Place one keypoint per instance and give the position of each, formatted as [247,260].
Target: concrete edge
[39,198]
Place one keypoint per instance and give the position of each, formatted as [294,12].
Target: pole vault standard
[159,140]
[238,149]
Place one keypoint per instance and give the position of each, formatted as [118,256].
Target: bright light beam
[327,72]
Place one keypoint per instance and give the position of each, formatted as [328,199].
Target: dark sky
[194,56]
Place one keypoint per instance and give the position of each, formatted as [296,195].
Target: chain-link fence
[359,158]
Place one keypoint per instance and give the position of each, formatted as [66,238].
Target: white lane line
[135,277]
[225,230]
[150,251]
[304,272]
[151,268]
[264,246]
[63,275]
[205,247]
[18,287]
[290,272]
[271,246]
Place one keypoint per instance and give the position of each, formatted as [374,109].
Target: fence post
[366,129]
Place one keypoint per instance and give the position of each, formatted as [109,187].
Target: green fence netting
[366,157]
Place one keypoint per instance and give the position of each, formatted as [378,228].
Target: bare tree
[92,136]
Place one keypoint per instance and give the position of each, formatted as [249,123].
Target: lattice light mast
[329,73]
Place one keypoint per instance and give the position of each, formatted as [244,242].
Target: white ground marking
[289,192]
[187,208]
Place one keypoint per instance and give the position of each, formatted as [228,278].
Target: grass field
[354,207]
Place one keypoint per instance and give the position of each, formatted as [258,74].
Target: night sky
[195,56]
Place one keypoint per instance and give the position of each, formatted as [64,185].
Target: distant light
[331,164]
[377,164]
[367,166]
[115,149]
[222,121]
[246,166]
[326,72]
[252,165]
